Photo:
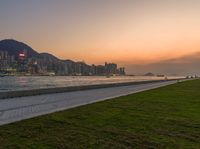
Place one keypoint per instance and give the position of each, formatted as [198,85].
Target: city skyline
[129,32]
[17,58]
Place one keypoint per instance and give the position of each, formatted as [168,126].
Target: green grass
[167,117]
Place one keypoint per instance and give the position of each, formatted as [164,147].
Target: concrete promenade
[20,108]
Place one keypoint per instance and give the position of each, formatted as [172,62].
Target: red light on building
[21,55]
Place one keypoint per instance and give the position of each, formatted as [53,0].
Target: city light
[22,55]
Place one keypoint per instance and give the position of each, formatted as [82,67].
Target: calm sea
[10,83]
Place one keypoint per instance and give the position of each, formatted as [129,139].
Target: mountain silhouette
[15,47]
[48,57]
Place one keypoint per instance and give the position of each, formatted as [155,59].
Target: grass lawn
[167,117]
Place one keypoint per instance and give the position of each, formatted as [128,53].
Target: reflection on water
[10,83]
[22,81]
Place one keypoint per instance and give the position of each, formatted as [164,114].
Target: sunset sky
[121,31]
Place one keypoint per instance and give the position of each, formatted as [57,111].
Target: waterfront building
[6,61]
[121,71]
[100,69]
[110,68]
[22,61]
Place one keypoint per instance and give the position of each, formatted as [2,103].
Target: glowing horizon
[126,32]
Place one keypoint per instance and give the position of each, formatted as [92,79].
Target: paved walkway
[16,109]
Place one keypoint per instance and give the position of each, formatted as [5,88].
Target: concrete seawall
[12,94]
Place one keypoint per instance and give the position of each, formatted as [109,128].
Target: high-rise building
[110,68]
[121,71]
[7,62]
[22,61]
[4,60]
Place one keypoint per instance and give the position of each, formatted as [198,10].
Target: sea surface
[12,83]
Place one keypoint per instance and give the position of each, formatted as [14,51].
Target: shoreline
[34,92]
